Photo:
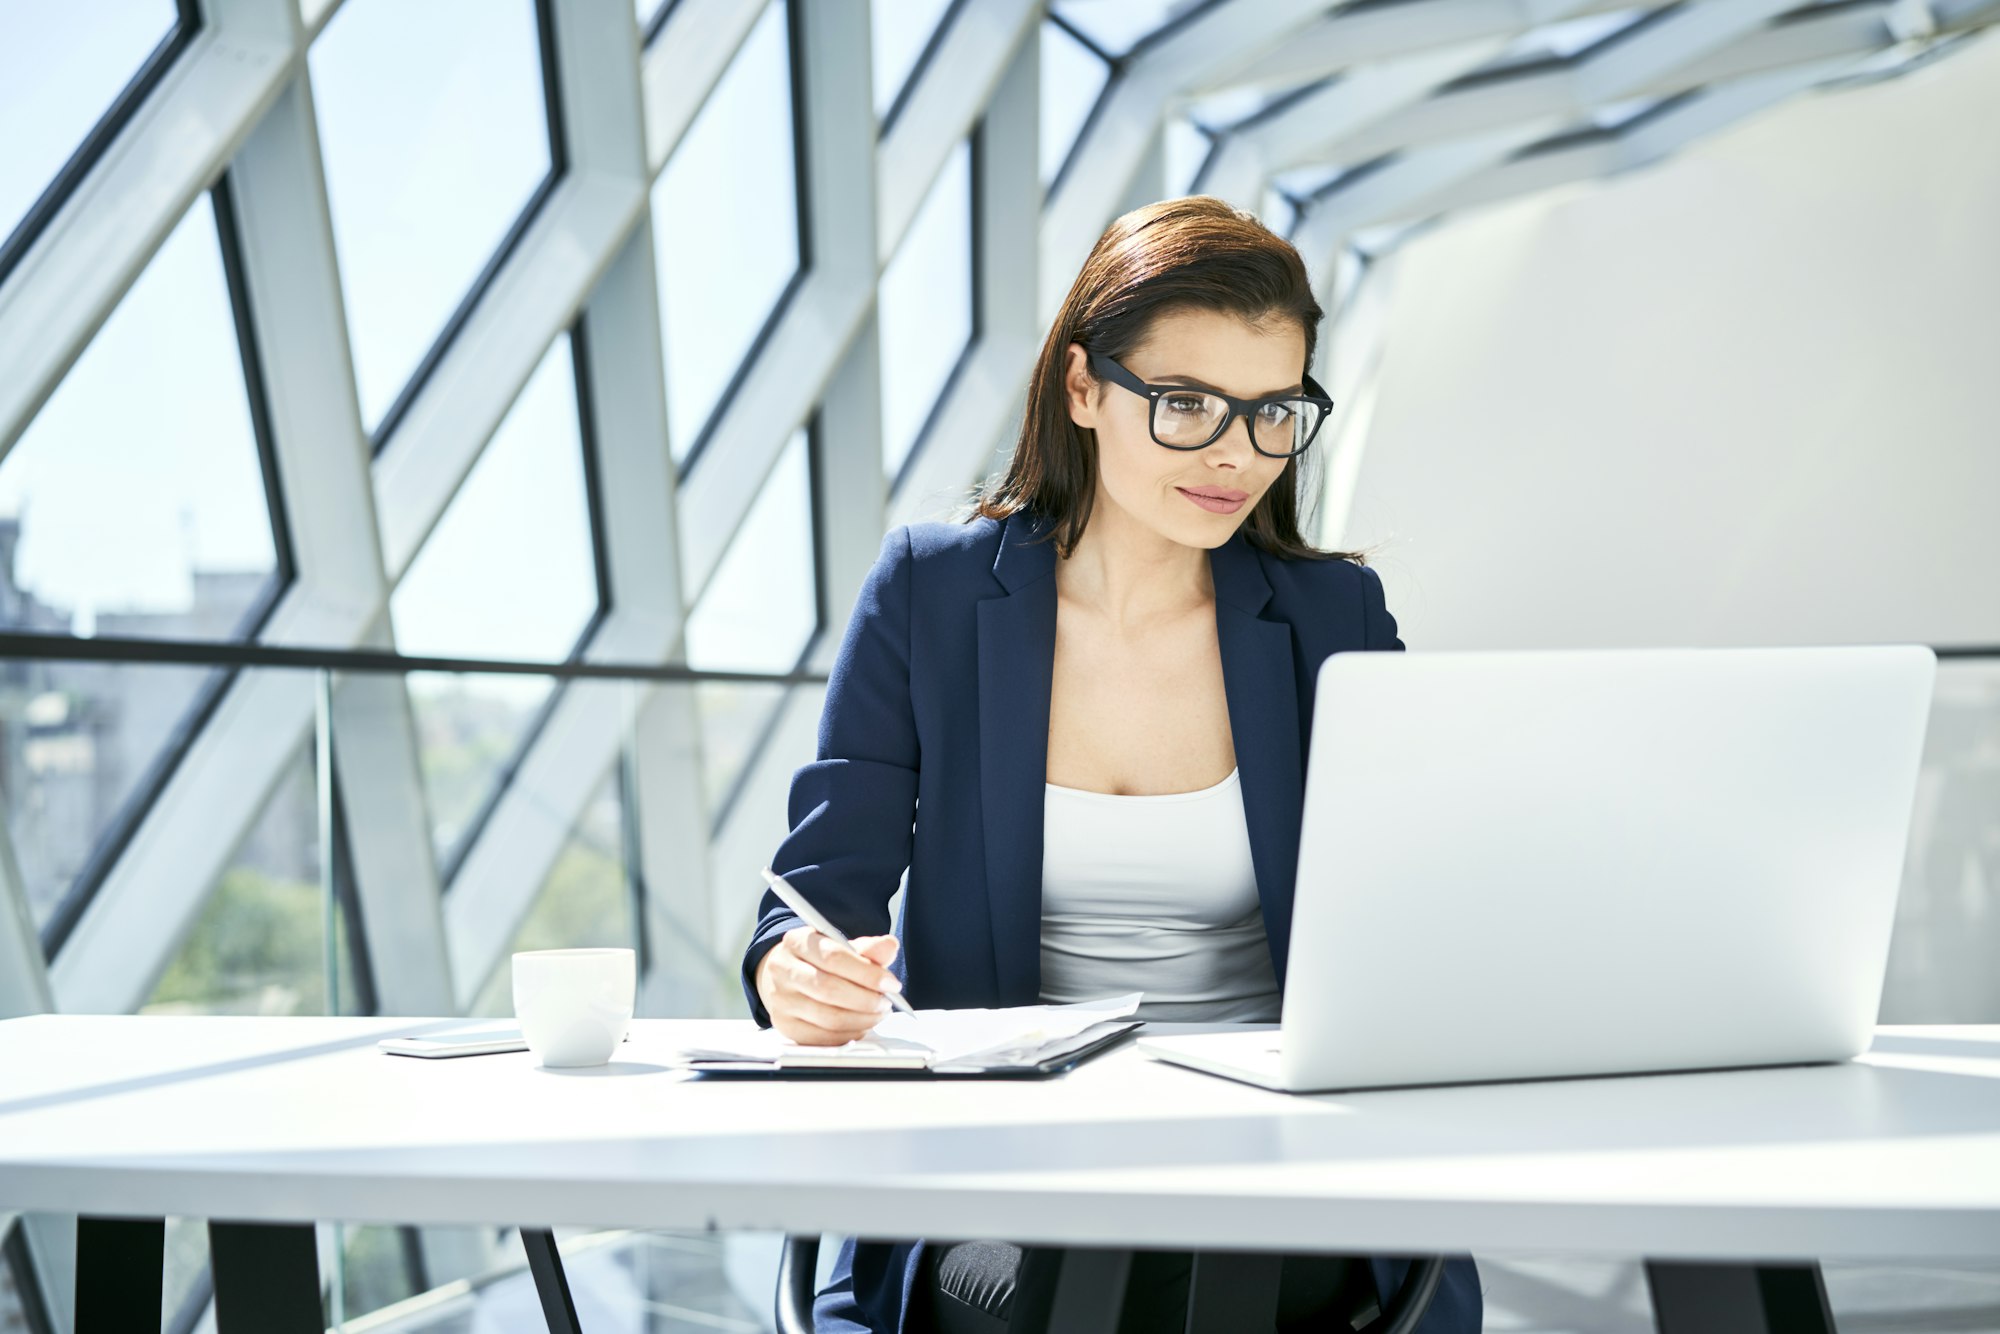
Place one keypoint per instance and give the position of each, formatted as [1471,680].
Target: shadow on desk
[400,1028]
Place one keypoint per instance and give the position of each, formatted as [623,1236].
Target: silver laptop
[1520,865]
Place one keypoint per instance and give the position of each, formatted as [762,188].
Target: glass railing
[362,833]
[1941,961]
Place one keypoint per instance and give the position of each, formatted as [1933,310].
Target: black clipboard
[1050,1060]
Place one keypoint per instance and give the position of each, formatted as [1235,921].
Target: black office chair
[798,1264]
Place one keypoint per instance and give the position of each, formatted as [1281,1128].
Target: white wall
[1748,396]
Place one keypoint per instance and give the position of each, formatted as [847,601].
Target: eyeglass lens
[1194,418]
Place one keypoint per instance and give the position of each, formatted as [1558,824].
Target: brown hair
[1196,253]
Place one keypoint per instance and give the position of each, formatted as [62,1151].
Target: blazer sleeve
[853,809]
[1378,626]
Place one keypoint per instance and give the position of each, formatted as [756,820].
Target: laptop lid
[1549,863]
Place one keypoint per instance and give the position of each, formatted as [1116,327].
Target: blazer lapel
[1017,651]
[1262,689]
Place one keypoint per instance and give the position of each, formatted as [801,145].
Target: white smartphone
[483,1042]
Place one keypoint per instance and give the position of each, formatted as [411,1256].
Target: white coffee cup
[574,1005]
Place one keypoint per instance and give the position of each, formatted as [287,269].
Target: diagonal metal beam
[682,65]
[1413,183]
[1484,106]
[795,365]
[96,246]
[1314,127]
[956,88]
[504,868]
[560,259]
[1351,37]
[1121,130]
[981,408]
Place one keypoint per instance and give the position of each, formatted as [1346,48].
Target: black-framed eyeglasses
[1279,426]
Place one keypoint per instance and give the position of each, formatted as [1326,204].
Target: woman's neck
[1130,574]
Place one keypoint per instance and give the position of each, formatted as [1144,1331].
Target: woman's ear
[1079,390]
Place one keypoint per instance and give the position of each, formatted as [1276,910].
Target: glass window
[375,1268]
[13,1307]
[434,130]
[1239,108]
[509,572]
[1187,150]
[725,227]
[898,32]
[1072,78]
[133,505]
[757,614]
[469,730]
[586,901]
[925,308]
[259,945]
[1278,211]
[62,67]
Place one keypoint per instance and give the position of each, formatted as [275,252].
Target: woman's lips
[1216,499]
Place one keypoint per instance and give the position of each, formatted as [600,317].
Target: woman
[1099,690]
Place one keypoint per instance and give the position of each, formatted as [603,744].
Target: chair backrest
[798,1266]
[798,1269]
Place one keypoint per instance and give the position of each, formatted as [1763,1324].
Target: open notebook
[1024,1039]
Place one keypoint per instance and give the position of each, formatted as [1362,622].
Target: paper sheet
[941,1035]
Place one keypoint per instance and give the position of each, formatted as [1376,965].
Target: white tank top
[1154,894]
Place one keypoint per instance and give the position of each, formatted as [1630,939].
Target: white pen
[797,903]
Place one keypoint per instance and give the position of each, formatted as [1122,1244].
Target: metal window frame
[118,834]
[17,243]
[802,222]
[932,44]
[657,22]
[600,558]
[546,55]
[1146,41]
[1113,69]
[976,281]
[818,518]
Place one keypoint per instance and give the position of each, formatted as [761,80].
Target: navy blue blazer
[939,702]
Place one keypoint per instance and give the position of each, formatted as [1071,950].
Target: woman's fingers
[810,974]
[833,1019]
[836,959]
[820,992]
[831,989]
[882,949]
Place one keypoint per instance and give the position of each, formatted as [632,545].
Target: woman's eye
[1187,405]
[1275,413]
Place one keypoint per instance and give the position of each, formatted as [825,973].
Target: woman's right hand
[820,993]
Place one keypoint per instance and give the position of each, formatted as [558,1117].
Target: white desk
[270,1120]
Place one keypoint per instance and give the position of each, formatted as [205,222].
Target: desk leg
[1738,1299]
[1230,1290]
[119,1266]
[266,1278]
[551,1284]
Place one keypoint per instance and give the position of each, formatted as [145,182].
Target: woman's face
[1156,486]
